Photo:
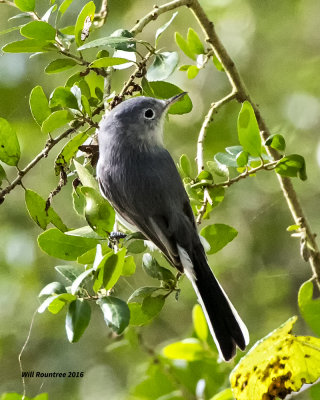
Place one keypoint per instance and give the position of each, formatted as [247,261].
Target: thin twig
[22,351]
[101,18]
[266,167]
[154,14]
[202,134]
[203,131]
[138,73]
[248,172]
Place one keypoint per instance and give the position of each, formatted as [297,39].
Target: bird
[138,176]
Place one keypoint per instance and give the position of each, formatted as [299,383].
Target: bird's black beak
[175,98]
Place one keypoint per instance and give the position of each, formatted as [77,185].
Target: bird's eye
[149,113]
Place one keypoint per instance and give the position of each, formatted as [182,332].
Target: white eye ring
[149,113]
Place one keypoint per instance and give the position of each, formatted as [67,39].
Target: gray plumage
[139,178]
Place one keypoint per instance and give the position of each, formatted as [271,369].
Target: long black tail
[226,327]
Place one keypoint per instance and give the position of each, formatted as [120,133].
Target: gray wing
[147,191]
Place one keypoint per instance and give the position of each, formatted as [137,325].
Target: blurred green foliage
[261,269]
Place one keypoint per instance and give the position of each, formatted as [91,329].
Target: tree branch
[242,95]
[43,154]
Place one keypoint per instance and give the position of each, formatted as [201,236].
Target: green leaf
[194,43]
[294,227]
[109,270]
[19,16]
[64,6]
[25,5]
[153,269]
[67,30]
[86,105]
[188,350]
[48,13]
[193,71]
[78,201]
[164,27]
[142,293]
[234,150]
[309,307]
[102,54]
[53,288]
[109,41]
[75,90]
[216,195]
[226,159]
[69,151]
[218,236]
[217,63]
[115,312]
[45,304]
[127,45]
[218,168]
[248,130]
[36,207]
[129,266]
[152,305]
[184,67]
[163,66]
[314,392]
[69,272]
[283,361]
[59,302]
[276,142]
[226,394]
[87,11]
[76,283]
[242,159]
[9,145]
[200,323]
[39,105]
[165,90]
[185,165]
[136,246]
[63,97]
[105,62]
[98,212]
[12,29]
[28,46]
[184,46]
[56,120]
[59,245]
[292,165]
[89,256]
[55,304]
[3,174]
[77,319]
[84,231]
[59,65]
[142,314]
[204,176]
[85,177]
[38,30]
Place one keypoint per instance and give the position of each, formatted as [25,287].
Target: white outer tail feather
[189,271]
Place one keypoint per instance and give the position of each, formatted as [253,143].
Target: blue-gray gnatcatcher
[139,178]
